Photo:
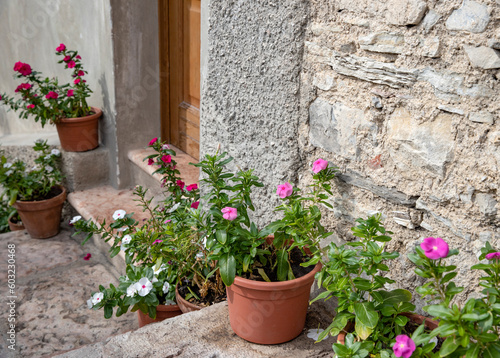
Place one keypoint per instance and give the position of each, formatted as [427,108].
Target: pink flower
[167,221]
[192,187]
[70,93]
[87,257]
[153,141]
[229,213]
[166,159]
[77,81]
[78,57]
[319,165]
[30,106]
[157,241]
[404,346]
[61,48]
[23,68]
[80,73]
[71,64]
[23,86]
[195,205]
[435,248]
[0,98]
[493,255]
[67,58]
[180,184]
[151,161]
[51,95]
[284,190]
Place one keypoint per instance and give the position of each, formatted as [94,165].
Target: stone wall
[404,97]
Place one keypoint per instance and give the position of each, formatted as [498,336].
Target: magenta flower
[166,159]
[30,106]
[167,221]
[80,73]
[435,248]
[153,141]
[195,205]
[77,81]
[180,184]
[67,58]
[70,93]
[87,257]
[192,187]
[319,165]
[23,86]
[284,190]
[157,241]
[493,255]
[78,57]
[52,95]
[23,68]
[0,98]
[229,213]
[151,161]
[61,48]
[71,64]
[404,346]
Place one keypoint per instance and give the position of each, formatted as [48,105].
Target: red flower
[30,106]
[0,98]
[180,184]
[192,187]
[23,68]
[23,86]
[67,58]
[51,95]
[151,161]
[61,48]
[70,93]
[195,205]
[87,257]
[71,64]
[77,81]
[81,73]
[78,57]
[166,159]
[153,141]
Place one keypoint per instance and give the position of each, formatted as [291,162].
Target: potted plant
[471,330]
[260,310]
[35,193]
[63,105]
[15,222]
[370,320]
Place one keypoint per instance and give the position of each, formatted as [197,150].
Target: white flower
[433,340]
[7,165]
[9,172]
[55,152]
[47,157]
[125,241]
[199,255]
[143,287]
[174,208]
[119,214]
[314,333]
[160,269]
[75,219]
[165,146]
[97,298]
[36,167]
[166,287]
[121,229]
[154,279]
[204,243]
[131,290]
[89,303]
[169,302]
[49,169]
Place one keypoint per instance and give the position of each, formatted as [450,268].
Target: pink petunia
[52,95]
[81,73]
[493,255]
[70,93]
[435,248]
[180,184]
[166,159]
[71,64]
[404,346]
[153,141]
[151,161]
[23,68]
[192,187]
[229,213]
[61,48]
[319,165]
[195,205]
[67,58]
[284,190]
[77,81]
[30,106]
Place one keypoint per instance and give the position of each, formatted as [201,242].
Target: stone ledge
[205,333]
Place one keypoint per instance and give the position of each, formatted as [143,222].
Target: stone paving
[53,283]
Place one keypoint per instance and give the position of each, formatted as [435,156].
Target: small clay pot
[16,226]
[80,134]
[185,305]
[163,312]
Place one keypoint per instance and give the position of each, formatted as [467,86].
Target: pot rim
[63,193]
[281,285]
[167,308]
[97,114]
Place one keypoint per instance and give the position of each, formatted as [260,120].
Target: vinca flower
[229,213]
[319,165]
[131,290]
[143,287]
[119,214]
[314,333]
[404,346]
[493,255]
[7,165]
[55,152]
[435,248]
[75,219]
[97,298]
[166,287]
[284,190]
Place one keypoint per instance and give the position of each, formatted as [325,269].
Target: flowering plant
[354,274]
[20,183]
[47,100]
[474,329]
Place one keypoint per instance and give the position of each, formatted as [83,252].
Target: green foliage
[20,183]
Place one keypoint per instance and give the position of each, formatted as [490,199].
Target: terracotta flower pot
[80,134]
[269,312]
[162,313]
[15,226]
[41,218]
[184,305]
[418,319]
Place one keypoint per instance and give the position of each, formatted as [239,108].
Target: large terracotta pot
[184,305]
[162,313]
[269,312]
[418,319]
[41,218]
[80,134]
[15,226]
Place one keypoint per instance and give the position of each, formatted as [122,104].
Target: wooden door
[180,68]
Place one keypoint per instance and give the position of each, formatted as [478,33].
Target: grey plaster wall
[136,79]
[251,88]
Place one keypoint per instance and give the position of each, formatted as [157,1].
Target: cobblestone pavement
[52,285]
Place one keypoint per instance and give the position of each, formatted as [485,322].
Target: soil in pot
[186,288]
[15,224]
[163,312]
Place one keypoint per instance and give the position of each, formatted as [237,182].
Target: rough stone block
[384,42]
[482,117]
[405,12]
[483,57]
[471,16]
[84,170]
[334,127]
[324,80]
[451,110]
[427,146]
[486,203]
[430,19]
[431,47]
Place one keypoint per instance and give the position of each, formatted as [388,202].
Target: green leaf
[108,311]
[362,331]
[340,350]
[449,346]
[221,236]
[262,274]
[396,296]
[401,320]
[227,266]
[491,352]
[439,311]
[366,314]
[283,264]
